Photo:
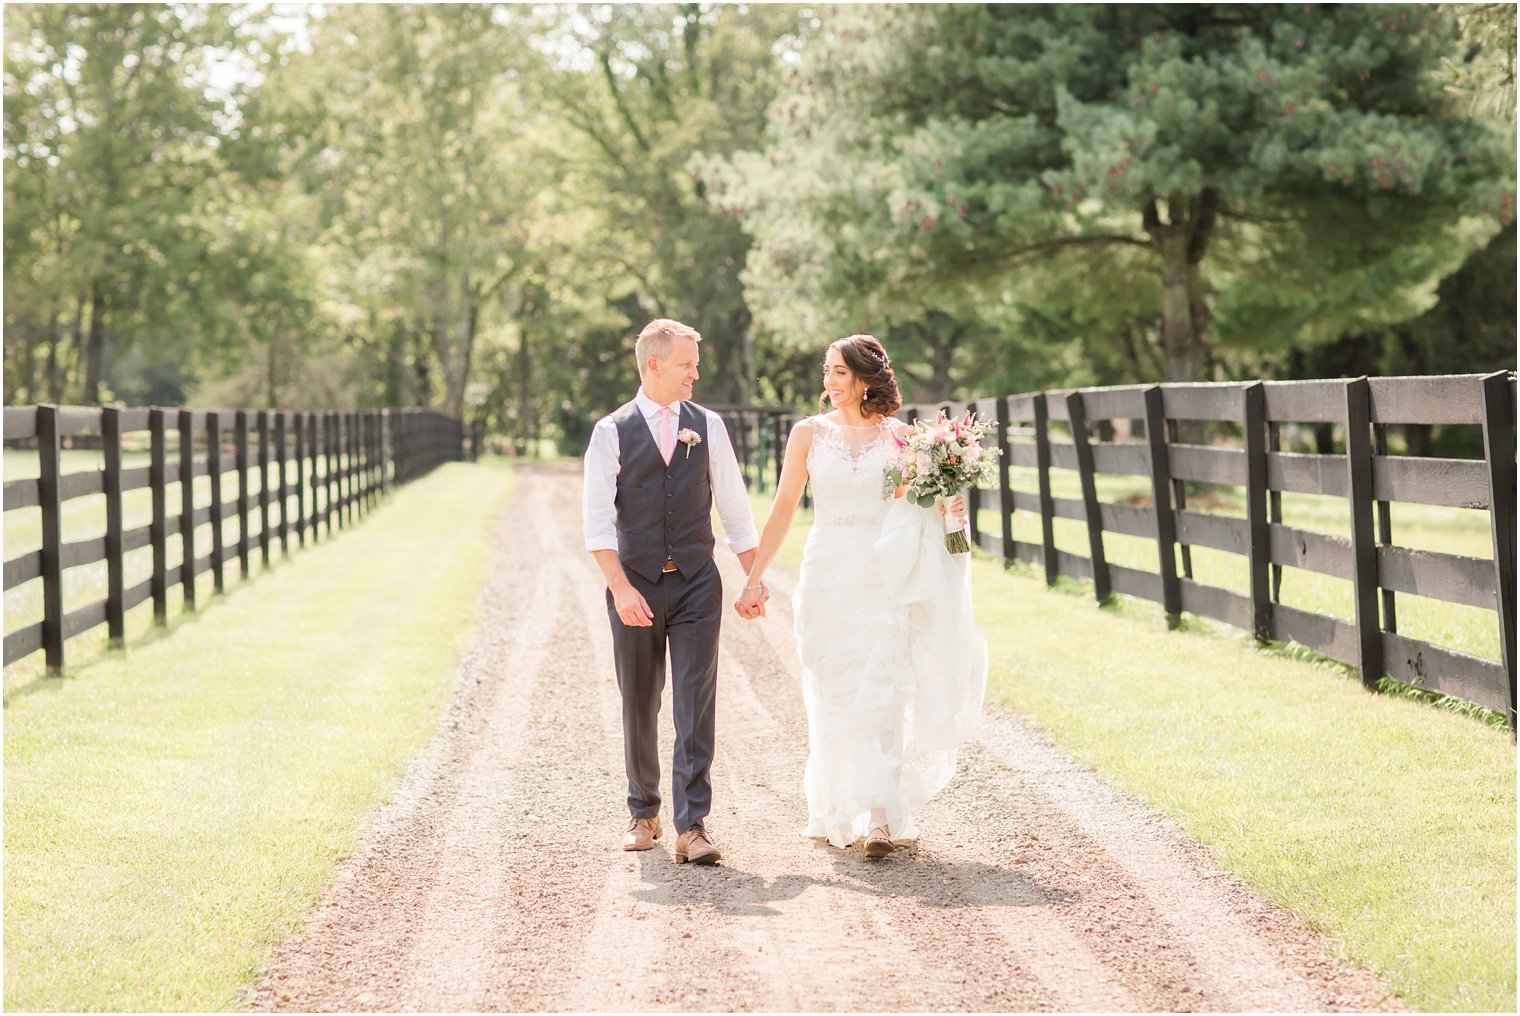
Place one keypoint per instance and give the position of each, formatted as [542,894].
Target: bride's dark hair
[866,359]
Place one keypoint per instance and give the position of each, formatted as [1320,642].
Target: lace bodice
[846,468]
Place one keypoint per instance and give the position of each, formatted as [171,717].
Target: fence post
[346,468]
[1254,423]
[974,501]
[1161,501]
[50,502]
[282,491]
[1499,453]
[367,459]
[351,447]
[361,458]
[367,444]
[1274,507]
[403,421]
[351,423]
[1047,505]
[240,451]
[387,451]
[1364,542]
[263,424]
[1384,527]
[319,488]
[214,470]
[330,477]
[345,480]
[187,506]
[1005,482]
[340,487]
[313,483]
[1077,414]
[1179,496]
[116,620]
[314,454]
[157,476]
[300,459]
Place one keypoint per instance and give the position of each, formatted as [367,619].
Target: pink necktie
[667,433]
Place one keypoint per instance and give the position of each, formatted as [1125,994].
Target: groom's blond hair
[657,338]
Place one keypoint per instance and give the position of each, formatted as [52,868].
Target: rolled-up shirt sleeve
[729,493]
[598,507]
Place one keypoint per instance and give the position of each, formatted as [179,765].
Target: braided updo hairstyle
[870,364]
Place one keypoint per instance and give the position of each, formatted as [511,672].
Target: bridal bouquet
[938,460]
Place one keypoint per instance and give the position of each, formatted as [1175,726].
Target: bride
[893,666]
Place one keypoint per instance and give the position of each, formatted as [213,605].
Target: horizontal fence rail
[333,466]
[1065,430]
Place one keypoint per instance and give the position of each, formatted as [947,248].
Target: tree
[113,184]
[651,89]
[409,115]
[1471,327]
[1286,172]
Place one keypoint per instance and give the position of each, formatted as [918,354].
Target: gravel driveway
[493,878]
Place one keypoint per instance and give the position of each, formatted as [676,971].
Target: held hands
[751,601]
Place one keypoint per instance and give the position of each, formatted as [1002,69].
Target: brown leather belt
[670,565]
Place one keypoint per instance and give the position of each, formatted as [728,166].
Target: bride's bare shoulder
[802,430]
[817,423]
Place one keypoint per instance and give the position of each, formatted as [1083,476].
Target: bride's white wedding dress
[893,666]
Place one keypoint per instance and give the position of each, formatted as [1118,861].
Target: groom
[654,469]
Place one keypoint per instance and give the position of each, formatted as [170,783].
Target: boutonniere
[688,437]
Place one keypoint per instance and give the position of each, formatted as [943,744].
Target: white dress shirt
[603,462]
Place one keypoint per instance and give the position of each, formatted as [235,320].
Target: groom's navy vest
[663,512]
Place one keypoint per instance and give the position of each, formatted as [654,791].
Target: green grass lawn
[173,809]
[1385,823]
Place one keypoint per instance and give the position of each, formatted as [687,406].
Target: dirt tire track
[493,880]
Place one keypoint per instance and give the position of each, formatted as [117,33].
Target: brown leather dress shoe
[641,834]
[696,846]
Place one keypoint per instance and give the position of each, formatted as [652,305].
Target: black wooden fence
[1365,475]
[334,465]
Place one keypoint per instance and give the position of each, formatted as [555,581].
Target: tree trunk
[20,383]
[747,393]
[95,350]
[422,369]
[520,433]
[272,374]
[395,365]
[57,373]
[454,351]
[50,371]
[1182,241]
[944,358]
[1179,341]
